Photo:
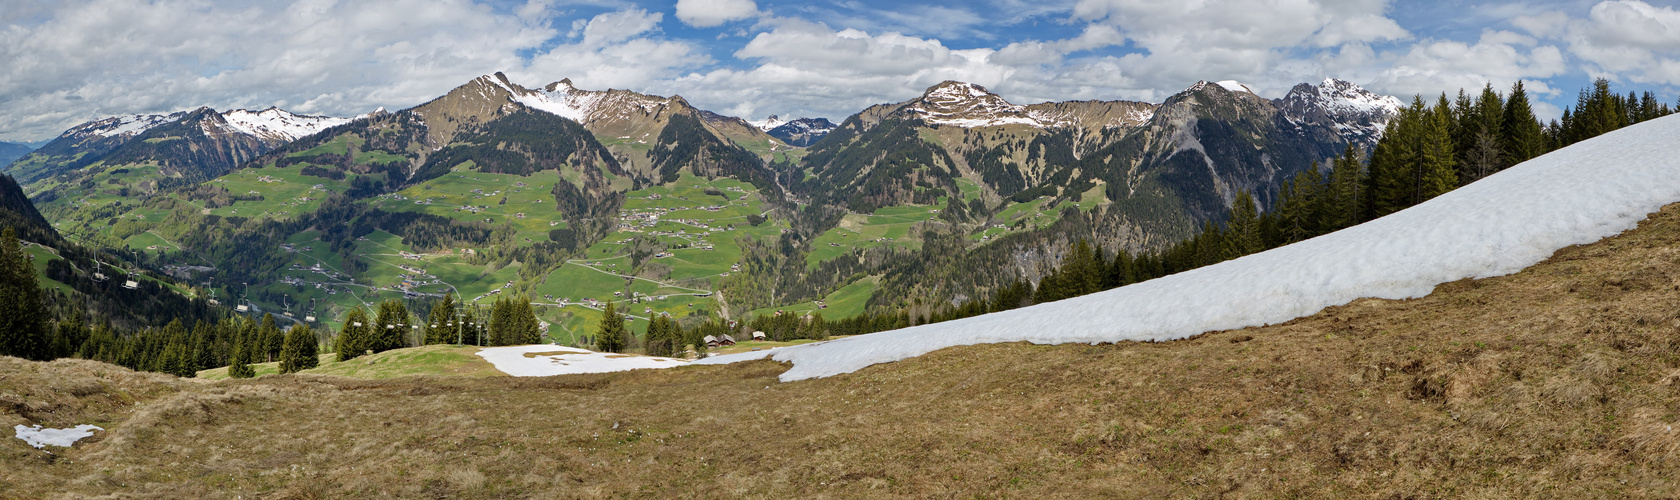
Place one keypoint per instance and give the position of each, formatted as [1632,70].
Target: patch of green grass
[338,145]
[438,360]
[848,301]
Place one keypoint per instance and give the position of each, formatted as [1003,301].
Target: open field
[1553,382]
[437,360]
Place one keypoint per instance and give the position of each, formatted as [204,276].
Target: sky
[64,62]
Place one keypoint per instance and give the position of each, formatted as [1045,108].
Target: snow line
[1496,226]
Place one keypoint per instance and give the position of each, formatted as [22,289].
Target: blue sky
[66,62]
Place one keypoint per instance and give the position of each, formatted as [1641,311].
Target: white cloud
[709,13]
[1255,41]
[1630,39]
[81,60]
[810,69]
[1431,67]
[614,53]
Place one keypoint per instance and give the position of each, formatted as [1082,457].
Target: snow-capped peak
[1346,96]
[768,123]
[129,125]
[1230,85]
[967,105]
[564,99]
[1357,114]
[1234,86]
[279,124]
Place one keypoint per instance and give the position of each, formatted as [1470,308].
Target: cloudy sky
[63,62]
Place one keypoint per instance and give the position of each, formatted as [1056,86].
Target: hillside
[10,151]
[1554,381]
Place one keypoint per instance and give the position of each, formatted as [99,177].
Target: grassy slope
[1554,382]
[426,360]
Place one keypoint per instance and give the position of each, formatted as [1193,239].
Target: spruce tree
[240,367]
[610,335]
[299,351]
[658,342]
[1438,164]
[1244,227]
[391,327]
[355,337]
[819,327]
[440,328]
[1393,180]
[1342,200]
[23,317]
[269,339]
[528,326]
[501,320]
[1521,136]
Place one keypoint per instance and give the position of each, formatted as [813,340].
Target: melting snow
[1234,86]
[129,125]
[40,438]
[1496,226]
[512,361]
[275,123]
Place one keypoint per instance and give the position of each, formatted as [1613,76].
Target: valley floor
[1559,381]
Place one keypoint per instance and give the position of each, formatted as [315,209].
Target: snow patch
[512,361]
[1497,226]
[1234,86]
[126,125]
[275,123]
[40,438]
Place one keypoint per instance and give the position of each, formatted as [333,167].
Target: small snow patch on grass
[40,438]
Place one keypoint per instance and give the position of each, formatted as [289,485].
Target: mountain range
[206,183]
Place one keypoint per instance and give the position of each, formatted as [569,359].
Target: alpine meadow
[859,249]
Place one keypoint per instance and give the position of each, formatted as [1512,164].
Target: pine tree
[527,324]
[299,351]
[240,366]
[658,337]
[819,327]
[1438,164]
[1393,179]
[499,321]
[1521,136]
[610,335]
[1481,152]
[23,317]
[440,327]
[269,339]
[1343,194]
[356,337]
[391,327]
[1244,227]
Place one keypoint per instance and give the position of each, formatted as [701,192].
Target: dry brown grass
[1561,381]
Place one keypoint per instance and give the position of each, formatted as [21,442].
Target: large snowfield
[513,361]
[1497,226]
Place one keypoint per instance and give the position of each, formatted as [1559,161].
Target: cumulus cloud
[75,61]
[709,13]
[613,51]
[1499,57]
[1248,40]
[810,69]
[1628,39]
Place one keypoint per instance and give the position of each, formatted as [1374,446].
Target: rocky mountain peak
[1359,115]
[966,105]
